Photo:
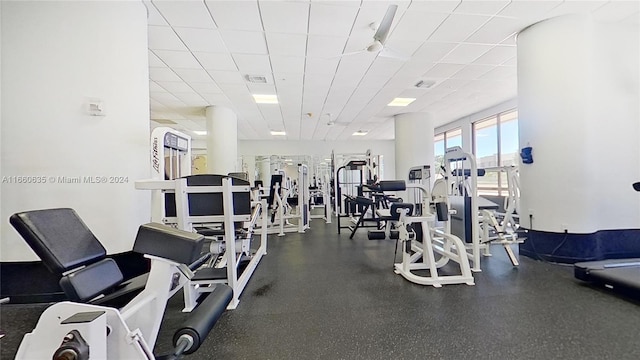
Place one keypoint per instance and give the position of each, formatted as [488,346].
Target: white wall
[54,57]
[579,104]
[322,148]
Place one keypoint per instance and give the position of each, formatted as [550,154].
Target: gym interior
[346,179]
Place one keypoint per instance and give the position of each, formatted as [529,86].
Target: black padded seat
[210,274]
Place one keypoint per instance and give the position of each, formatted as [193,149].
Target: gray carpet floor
[320,295]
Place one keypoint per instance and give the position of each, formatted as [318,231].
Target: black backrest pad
[210,204]
[59,237]
[169,243]
[392,185]
[395,215]
[91,281]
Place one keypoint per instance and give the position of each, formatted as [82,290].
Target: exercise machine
[621,275]
[79,329]
[473,218]
[212,205]
[288,203]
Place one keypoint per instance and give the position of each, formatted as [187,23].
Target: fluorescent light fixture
[360,133]
[265,99]
[327,159]
[200,132]
[401,101]
[278,133]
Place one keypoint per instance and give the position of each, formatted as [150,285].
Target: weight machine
[81,329]
[352,172]
[282,195]
[473,218]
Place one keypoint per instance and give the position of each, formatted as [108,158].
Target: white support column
[222,140]
[414,142]
[578,109]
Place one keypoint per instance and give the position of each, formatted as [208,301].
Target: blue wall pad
[571,248]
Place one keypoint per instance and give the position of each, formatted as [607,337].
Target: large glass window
[443,141]
[495,141]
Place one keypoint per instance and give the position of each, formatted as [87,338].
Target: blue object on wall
[525,154]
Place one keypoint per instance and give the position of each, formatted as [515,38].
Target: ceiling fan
[380,38]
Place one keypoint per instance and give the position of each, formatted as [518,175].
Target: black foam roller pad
[204,317]
[169,243]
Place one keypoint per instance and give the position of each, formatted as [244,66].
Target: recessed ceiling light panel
[278,133]
[360,133]
[401,101]
[265,99]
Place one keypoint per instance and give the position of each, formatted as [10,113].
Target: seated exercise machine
[473,218]
[286,205]
[421,241]
[215,206]
[621,275]
[80,329]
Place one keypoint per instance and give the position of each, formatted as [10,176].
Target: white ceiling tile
[443,70]
[207,40]
[471,72]
[154,61]
[417,26]
[500,73]
[480,7]
[205,87]
[286,44]
[216,99]
[445,6]
[616,11]
[510,41]
[262,89]
[384,67]
[164,38]
[226,77]
[163,74]
[321,65]
[216,61]
[574,7]
[431,52]
[284,17]
[244,42]
[193,75]
[497,55]
[235,15]
[175,86]
[166,99]
[153,15]
[331,19]
[192,99]
[290,64]
[154,87]
[253,64]
[496,30]
[178,59]
[325,47]
[465,53]
[529,10]
[511,62]
[289,81]
[458,27]
[186,13]
[451,85]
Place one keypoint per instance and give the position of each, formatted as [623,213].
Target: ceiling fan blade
[392,54]
[385,24]
[347,54]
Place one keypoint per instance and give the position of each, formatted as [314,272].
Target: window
[443,141]
[495,141]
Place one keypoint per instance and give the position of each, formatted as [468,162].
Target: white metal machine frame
[283,212]
[132,330]
[420,254]
[461,179]
[232,253]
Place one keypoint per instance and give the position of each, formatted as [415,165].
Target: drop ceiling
[201,53]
